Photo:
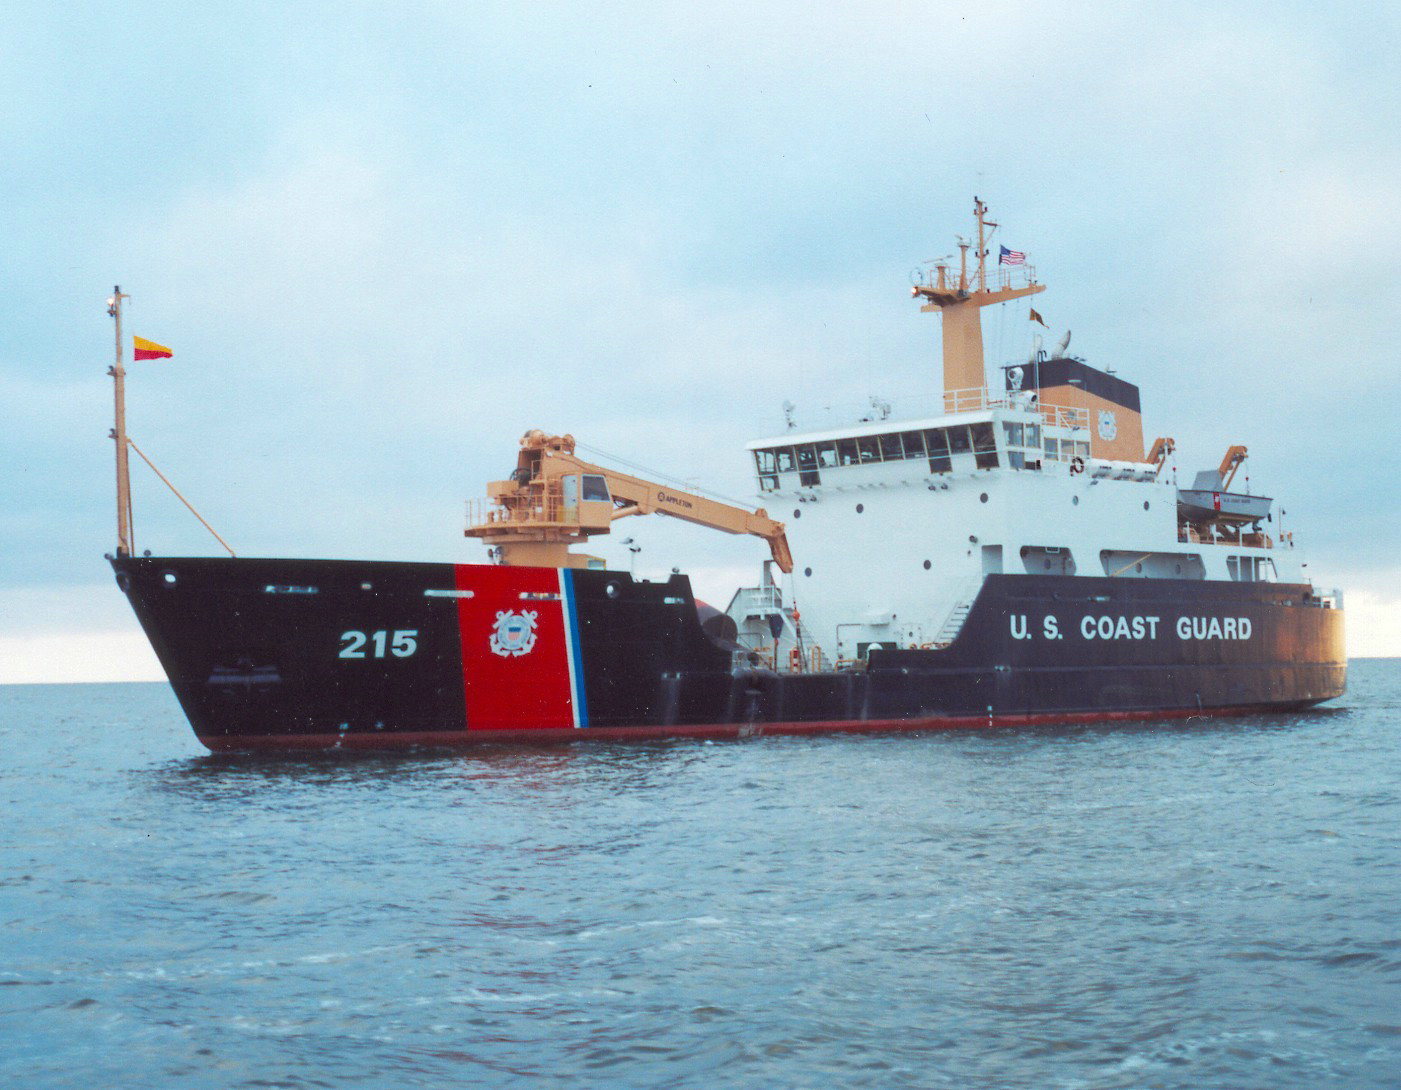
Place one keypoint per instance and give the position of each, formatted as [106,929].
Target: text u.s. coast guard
[1135,627]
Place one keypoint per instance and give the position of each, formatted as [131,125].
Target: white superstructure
[892,541]
[894,524]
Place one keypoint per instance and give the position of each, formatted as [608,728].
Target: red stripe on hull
[465,739]
[515,661]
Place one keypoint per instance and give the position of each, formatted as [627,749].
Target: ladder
[953,624]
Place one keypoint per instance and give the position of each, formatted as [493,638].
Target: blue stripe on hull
[576,656]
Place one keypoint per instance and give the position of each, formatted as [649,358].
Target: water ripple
[1157,905]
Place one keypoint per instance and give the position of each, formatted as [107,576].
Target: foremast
[961,300]
[118,373]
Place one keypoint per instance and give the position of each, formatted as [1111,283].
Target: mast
[965,381]
[124,543]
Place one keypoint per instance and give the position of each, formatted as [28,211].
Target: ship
[1010,554]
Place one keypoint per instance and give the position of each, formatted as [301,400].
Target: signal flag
[142,349]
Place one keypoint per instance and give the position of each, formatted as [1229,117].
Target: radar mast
[961,300]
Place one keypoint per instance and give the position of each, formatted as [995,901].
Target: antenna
[960,304]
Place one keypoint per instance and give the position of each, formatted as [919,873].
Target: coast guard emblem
[1108,426]
[514,633]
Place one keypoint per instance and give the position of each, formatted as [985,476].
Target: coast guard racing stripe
[516,648]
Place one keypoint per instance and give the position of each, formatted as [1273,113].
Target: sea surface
[1215,904]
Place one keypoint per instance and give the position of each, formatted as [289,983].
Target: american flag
[1011,257]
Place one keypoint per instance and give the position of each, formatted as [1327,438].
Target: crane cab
[586,501]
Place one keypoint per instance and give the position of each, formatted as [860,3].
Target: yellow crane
[1229,464]
[554,500]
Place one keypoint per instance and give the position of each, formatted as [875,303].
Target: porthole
[983,498]
[860,507]
[807,572]
[927,565]
[1048,563]
[1145,505]
[1138,567]
[1179,569]
[1075,500]
[168,578]
[797,514]
[611,590]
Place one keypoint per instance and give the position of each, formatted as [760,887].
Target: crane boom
[1229,464]
[555,499]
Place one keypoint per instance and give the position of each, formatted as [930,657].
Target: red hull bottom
[467,739]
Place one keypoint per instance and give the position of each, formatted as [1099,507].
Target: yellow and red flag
[142,349]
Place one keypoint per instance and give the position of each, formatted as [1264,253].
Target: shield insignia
[514,634]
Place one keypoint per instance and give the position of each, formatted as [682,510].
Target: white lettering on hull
[1213,628]
[1107,627]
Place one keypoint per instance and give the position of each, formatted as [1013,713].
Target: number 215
[402,644]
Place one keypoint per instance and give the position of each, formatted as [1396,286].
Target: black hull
[266,654]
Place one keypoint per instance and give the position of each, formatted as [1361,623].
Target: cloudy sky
[384,240]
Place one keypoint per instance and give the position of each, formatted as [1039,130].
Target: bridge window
[869,448]
[985,446]
[959,443]
[807,465]
[846,452]
[913,443]
[938,444]
[827,455]
[890,448]
[785,459]
[1015,434]
[765,461]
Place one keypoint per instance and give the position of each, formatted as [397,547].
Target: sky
[383,241]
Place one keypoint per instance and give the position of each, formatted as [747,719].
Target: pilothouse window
[938,444]
[985,446]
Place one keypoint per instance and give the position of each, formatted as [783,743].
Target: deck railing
[538,507]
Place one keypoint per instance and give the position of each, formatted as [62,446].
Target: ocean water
[1210,904]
